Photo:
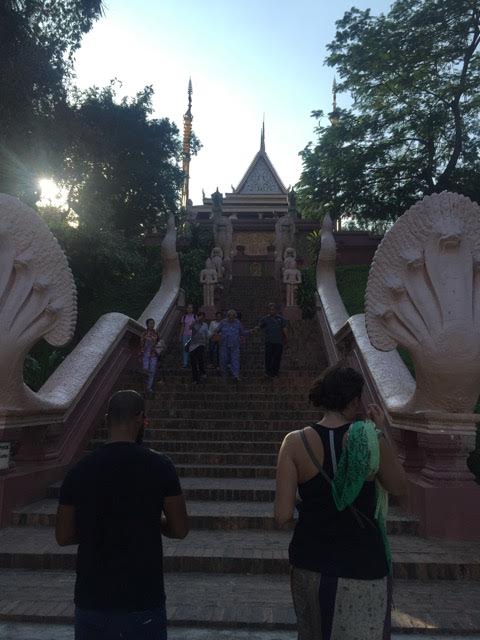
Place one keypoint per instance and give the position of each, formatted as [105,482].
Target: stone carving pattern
[261,180]
[37,297]
[423,293]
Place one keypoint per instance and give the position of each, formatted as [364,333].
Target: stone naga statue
[37,299]
[292,278]
[423,293]
[209,278]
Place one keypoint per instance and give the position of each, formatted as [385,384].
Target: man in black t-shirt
[111,504]
[275,327]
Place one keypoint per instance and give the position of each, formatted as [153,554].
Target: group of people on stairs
[223,338]
[119,501]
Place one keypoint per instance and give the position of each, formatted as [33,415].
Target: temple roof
[261,177]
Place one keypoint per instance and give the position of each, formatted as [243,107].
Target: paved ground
[243,601]
[13,631]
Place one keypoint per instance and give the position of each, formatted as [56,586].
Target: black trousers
[197,363]
[273,358]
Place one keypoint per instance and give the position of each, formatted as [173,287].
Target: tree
[121,166]
[38,39]
[414,126]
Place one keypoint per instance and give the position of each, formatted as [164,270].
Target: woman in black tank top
[340,582]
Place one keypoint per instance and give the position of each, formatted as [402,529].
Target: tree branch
[444,178]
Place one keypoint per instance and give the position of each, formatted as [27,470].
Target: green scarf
[360,459]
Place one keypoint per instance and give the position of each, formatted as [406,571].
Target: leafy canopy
[413,128]
[38,39]
[121,165]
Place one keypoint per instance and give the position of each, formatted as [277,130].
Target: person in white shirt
[197,346]
[213,350]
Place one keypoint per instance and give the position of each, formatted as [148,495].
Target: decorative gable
[260,179]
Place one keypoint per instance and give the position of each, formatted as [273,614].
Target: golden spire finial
[190,91]
[187,140]
[334,117]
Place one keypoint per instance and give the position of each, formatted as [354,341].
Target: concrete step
[237,424]
[227,414]
[213,402]
[227,516]
[221,458]
[246,551]
[237,398]
[225,471]
[230,435]
[236,489]
[212,446]
[240,602]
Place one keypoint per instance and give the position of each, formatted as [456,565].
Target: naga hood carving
[423,293]
[37,297]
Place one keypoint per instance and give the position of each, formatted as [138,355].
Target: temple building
[255,208]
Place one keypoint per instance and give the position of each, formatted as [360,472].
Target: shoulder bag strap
[355,512]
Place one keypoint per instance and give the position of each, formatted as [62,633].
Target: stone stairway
[232,569]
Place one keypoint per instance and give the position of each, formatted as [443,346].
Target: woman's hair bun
[336,388]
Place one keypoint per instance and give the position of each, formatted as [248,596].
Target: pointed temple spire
[262,135]
[187,139]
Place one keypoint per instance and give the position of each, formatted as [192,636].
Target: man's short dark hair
[125,405]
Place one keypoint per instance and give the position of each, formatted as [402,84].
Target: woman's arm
[390,473]
[286,485]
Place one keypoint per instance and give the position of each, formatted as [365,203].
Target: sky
[246,58]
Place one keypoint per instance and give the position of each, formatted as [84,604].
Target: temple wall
[255,243]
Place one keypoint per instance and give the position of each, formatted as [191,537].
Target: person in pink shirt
[186,323]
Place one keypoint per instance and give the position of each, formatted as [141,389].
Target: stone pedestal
[442,492]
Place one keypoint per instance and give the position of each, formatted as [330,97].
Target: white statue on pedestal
[209,278]
[217,261]
[292,278]
[284,239]
[289,259]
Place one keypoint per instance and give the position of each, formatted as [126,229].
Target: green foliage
[414,127]
[37,41]
[40,364]
[121,165]
[352,284]
[473,460]
[306,292]
[314,240]
[195,247]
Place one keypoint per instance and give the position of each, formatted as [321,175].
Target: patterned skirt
[330,608]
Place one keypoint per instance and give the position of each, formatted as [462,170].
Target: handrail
[389,382]
[52,439]
[432,445]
